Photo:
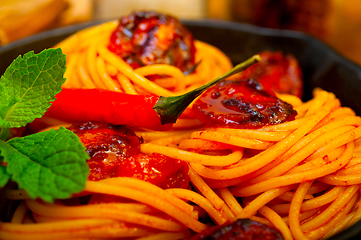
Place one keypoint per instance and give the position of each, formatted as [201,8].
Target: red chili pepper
[82,105]
[145,111]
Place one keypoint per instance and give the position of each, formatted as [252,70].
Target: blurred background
[335,22]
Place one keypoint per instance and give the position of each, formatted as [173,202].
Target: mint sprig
[28,85]
[4,176]
[52,164]
[48,164]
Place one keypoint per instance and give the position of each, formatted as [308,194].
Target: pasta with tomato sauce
[247,153]
[143,53]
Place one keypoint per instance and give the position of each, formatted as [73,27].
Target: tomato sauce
[114,151]
[240,229]
[157,169]
[241,104]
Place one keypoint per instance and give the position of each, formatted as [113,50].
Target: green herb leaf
[4,176]
[28,86]
[50,165]
[4,133]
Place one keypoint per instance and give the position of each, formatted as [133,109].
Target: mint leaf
[4,133]
[4,176]
[50,165]
[28,86]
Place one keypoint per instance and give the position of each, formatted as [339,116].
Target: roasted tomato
[107,145]
[158,169]
[114,151]
[242,229]
[277,73]
[241,104]
[146,37]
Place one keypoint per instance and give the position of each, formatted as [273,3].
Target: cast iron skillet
[322,67]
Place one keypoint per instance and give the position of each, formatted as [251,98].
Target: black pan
[322,66]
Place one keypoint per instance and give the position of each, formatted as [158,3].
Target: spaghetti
[320,152]
[303,182]
[90,64]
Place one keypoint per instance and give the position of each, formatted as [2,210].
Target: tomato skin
[107,145]
[277,72]
[147,37]
[160,170]
[240,230]
[157,169]
[114,151]
[241,104]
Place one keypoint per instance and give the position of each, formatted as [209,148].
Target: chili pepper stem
[170,108]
